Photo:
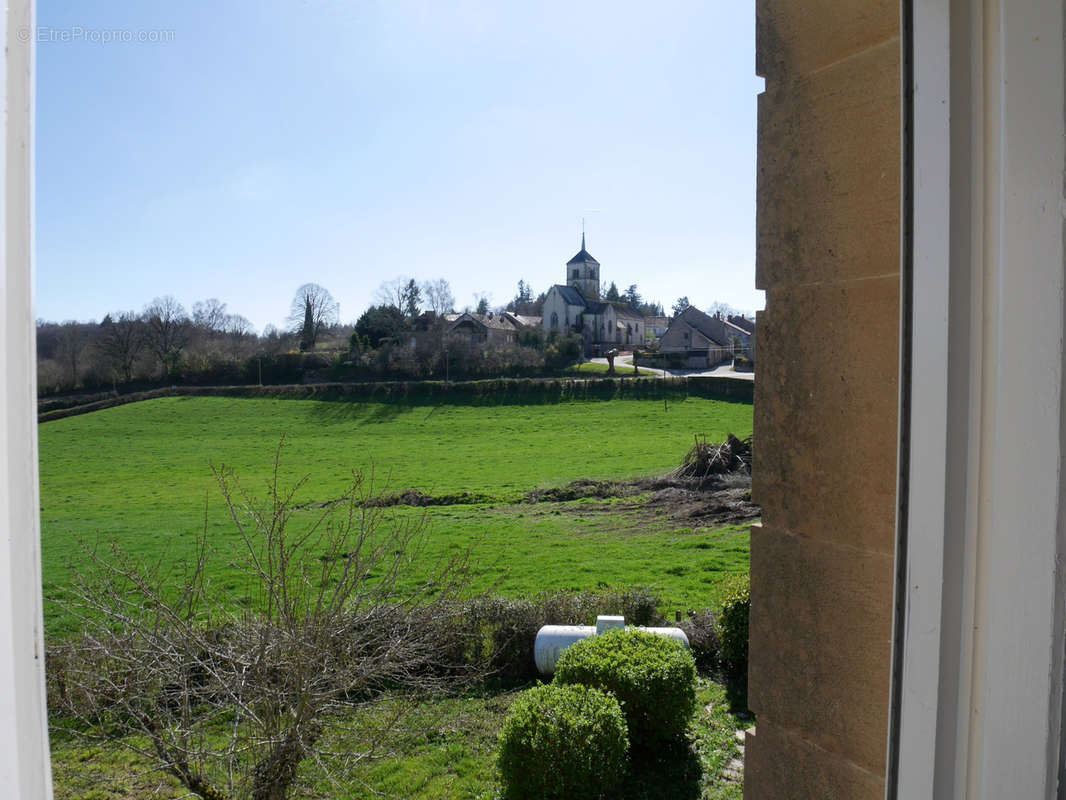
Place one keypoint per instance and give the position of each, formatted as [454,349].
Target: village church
[576,308]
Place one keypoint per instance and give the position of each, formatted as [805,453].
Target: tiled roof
[583,257]
[620,310]
[527,320]
[714,329]
[625,312]
[570,295]
[494,321]
[735,328]
[742,322]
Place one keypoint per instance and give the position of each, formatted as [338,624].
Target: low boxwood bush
[733,622]
[653,677]
[563,742]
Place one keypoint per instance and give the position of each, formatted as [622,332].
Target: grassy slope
[140,475]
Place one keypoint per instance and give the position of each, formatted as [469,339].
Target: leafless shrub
[231,691]
[701,628]
[508,627]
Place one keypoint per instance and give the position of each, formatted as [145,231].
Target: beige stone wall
[826,397]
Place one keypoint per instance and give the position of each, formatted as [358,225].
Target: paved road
[624,364]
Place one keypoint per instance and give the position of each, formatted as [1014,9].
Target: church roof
[570,295]
[625,312]
[582,257]
[620,310]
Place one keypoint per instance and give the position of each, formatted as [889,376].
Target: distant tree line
[166,343]
[404,335]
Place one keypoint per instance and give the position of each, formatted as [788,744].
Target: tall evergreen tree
[412,299]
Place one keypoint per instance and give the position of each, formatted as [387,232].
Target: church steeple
[583,271]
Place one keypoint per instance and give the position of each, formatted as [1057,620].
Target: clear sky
[250,146]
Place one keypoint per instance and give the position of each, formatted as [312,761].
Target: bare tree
[439,295]
[724,309]
[313,309]
[231,693]
[121,341]
[238,331]
[394,292]
[167,331]
[70,347]
[209,314]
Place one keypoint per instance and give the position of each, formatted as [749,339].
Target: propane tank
[552,640]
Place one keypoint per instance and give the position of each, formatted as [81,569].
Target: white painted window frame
[25,767]
[980,637]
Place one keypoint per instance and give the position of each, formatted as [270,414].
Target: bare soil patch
[723,499]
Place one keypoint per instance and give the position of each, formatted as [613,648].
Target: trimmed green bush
[653,677]
[733,622]
[563,742]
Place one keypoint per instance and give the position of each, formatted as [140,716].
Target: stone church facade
[576,307]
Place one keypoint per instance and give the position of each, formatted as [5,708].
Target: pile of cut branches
[705,459]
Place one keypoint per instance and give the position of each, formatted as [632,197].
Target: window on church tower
[574,276]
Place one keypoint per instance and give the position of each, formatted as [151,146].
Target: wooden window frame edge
[979,637]
[25,764]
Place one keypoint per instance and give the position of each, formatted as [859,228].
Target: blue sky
[270,143]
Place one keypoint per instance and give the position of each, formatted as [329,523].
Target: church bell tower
[583,273]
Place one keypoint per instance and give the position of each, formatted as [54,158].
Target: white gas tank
[552,640]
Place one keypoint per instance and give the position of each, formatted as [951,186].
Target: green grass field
[139,475]
[444,750]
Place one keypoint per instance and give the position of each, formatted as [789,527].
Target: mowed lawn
[139,475]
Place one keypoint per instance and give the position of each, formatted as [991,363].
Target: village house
[483,329]
[742,330]
[474,330]
[522,320]
[699,339]
[576,308]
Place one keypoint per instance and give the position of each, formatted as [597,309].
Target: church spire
[583,271]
